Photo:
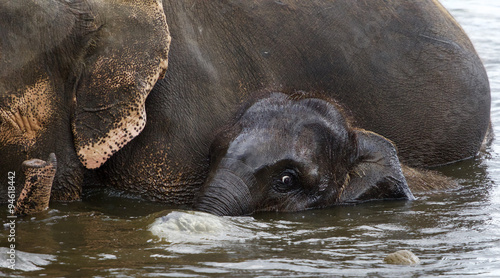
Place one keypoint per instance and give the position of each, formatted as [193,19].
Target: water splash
[25,261]
[195,232]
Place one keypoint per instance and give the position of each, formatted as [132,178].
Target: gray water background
[455,233]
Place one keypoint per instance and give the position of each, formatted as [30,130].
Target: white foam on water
[193,226]
[25,261]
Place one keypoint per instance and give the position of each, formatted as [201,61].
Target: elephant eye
[287,181]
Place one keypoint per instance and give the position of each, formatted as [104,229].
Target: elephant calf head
[289,154]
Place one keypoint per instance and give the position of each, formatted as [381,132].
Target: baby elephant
[296,152]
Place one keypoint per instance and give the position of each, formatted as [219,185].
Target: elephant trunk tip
[35,195]
[38,163]
[205,206]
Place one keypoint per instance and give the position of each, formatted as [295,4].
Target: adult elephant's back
[405,70]
[416,78]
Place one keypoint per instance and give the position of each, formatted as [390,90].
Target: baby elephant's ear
[128,55]
[377,173]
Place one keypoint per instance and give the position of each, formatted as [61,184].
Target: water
[454,233]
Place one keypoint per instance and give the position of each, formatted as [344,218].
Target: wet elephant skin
[406,71]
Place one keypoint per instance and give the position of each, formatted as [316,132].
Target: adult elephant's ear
[126,56]
[377,172]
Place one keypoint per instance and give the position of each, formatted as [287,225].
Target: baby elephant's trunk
[227,191]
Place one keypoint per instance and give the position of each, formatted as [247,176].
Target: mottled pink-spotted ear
[128,56]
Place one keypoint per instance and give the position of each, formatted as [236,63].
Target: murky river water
[455,233]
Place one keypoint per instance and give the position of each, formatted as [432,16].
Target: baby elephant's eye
[286,182]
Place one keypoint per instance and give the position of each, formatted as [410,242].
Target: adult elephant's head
[95,61]
[289,154]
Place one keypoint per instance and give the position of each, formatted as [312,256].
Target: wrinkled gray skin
[405,70]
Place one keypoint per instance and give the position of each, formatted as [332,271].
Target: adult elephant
[406,71]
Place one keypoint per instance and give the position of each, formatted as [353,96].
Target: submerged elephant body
[406,71]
